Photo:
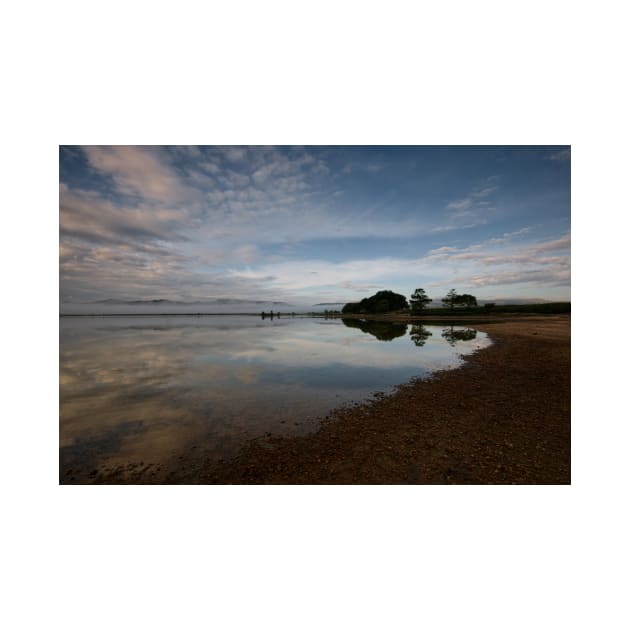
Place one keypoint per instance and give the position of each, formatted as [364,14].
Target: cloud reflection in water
[150,388]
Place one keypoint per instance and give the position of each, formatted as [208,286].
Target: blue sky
[313,224]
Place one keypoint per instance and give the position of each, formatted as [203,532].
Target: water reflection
[419,334]
[149,389]
[383,331]
[453,335]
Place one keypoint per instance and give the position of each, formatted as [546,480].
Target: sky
[313,225]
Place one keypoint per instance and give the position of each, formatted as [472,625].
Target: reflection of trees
[384,331]
[453,336]
[419,334]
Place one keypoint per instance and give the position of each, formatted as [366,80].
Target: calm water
[151,389]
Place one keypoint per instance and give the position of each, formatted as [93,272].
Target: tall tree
[450,299]
[419,300]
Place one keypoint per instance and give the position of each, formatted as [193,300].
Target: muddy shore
[502,418]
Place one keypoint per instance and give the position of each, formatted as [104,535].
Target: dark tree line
[388,301]
[380,302]
[453,299]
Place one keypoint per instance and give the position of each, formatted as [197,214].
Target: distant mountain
[238,301]
[115,301]
[162,306]
[107,301]
[329,304]
[222,301]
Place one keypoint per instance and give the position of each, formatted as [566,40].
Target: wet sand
[502,418]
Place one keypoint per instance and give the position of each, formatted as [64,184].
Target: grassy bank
[547,308]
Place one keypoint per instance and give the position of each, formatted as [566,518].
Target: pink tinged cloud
[138,171]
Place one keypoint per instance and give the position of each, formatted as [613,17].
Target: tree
[382,306]
[451,299]
[351,307]
[380,302]
[466,300]
[419,300]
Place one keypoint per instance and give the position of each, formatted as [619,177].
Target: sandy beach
[502,418]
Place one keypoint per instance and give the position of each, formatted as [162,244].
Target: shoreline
[502,417]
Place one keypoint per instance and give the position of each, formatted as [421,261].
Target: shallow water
[150,389]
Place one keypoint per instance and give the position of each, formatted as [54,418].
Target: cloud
[497,261]
[247,253]
[88,216]
[269,197]
[121,239]
[484,192]
[540,277]
[346,284]
[442,251]
[273,165]
[558,244]
[235,154]
[374,168]
[151,270]
[469,211]
[365,167]
[461,204]
[191,222]
[211,167]
[472,199]
[139,172]
[487,250]
[490,263]
[508,236]
[456,222]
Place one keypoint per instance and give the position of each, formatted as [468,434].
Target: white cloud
[510,235]
[484,192]
[174,231]
[497,261]
[469,211]
[461,204]
[136,247]
[541,277]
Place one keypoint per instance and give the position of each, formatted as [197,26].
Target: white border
[289,73]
